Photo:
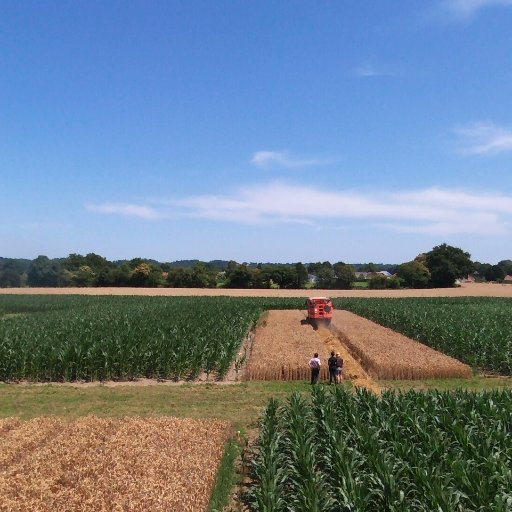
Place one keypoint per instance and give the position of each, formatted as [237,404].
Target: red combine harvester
[319,311]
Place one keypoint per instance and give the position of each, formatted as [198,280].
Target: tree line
[440,267]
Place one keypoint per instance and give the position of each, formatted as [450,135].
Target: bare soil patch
[386,354]
[466,290]
[92,464]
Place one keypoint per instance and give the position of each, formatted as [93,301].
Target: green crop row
[477,331]
[410,452]
[70,338]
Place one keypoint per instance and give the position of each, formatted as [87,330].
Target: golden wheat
[93,464]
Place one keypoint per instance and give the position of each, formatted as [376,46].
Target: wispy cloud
[466,9]
[367,70]
[268,159]
[126,210]
[433,211]
[483,138]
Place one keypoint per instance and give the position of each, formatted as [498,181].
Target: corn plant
[355,452]
[66,338]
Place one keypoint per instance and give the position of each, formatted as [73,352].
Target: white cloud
[483,138]
[432,211]
[367,70]
[465,9]
[285,159]
[124,209]
[435,211]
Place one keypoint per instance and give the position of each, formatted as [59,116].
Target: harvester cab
[319,311]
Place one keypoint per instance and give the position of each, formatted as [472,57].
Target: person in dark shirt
[333,368]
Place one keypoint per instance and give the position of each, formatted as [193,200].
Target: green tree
[240,277]
[378,282]
[413,274]
[10,278]
[495,273]
[301,273]
[84,276]
[446,264]
[345,275]
[45,272]
[325,277]
[506,265]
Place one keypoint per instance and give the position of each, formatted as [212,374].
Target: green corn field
[67,338]
[475,330]
[352,452]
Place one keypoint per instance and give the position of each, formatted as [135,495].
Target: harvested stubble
[282,348]
[386,354]
[95,464]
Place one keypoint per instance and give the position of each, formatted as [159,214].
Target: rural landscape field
[225,357]
[255,256]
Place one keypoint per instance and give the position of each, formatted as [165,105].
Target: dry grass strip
[386,354]
[93,464]
[466,290]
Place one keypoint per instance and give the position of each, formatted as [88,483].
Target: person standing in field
[333,368]
[339,368]
[315,364]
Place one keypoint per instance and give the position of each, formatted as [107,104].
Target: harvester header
[320,311]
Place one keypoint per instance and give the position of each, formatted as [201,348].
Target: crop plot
[477,331]
[410,452]
[386,354]
[283,347]
[121,338]
[93,464]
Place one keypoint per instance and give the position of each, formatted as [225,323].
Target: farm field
[387,354]
[72,338]
[239,404]
[69,338]
[413,451]
[282,347]
[465,290]
[93,464]
[54,338]
[477,331]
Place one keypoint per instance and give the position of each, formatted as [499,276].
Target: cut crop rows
[412,452]
[477,331]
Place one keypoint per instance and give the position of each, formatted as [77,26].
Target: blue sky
[256,131]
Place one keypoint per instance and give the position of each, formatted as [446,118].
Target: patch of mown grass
[239,403]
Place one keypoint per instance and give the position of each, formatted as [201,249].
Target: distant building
[507,279]
[312,278]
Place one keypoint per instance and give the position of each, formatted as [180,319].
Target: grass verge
[226,477]
[240,404]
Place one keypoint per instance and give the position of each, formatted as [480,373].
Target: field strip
[465,290]
[283,346]
[352,369]
[92,464]
[386,354]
